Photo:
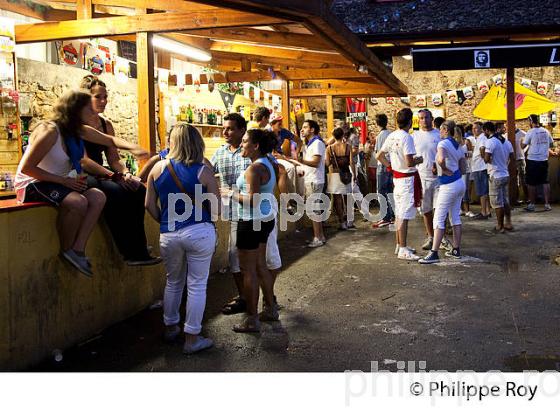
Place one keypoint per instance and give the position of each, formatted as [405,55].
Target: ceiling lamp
[180,48]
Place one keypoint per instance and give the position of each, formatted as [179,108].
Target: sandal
[498,230]
[236,305]
[250,324]
[509,228]
[268,314]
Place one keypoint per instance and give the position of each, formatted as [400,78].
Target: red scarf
[417,185]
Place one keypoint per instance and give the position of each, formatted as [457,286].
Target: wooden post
[146,95]
[330,116]
[286,103]
[84,9]
[513,188]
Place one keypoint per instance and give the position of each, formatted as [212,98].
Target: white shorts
[449,202]
[430,188]
[404,198]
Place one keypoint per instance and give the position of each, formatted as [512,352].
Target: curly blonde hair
[67,111]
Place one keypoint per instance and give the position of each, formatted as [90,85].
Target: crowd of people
[429,171]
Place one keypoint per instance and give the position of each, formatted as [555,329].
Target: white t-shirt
[519,137]
[538,140]
[315,175]
[398,145]
[452,156]
[426,143]
[381,138]
[498,167]
[477,163]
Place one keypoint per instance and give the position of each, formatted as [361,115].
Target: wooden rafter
[158,22]
[276,61]
[371,90]
[289,54]
[254,36]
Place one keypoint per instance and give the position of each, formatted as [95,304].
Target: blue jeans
[385,187]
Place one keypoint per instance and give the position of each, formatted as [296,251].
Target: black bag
[345,175]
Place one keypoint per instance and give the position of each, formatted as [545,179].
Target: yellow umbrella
[527,102]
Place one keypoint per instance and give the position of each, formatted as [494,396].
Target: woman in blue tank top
[257,211]
[188,237]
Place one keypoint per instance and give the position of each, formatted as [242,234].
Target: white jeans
[273,259]
[449,201]
[187,254]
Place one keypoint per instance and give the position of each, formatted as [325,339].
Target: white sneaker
[547,207]
[397,248]
[406,254]
[470,214]
[315,243]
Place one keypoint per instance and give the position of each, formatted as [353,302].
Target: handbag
[205,204]
[345,176]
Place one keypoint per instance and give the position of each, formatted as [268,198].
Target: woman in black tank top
[124,211]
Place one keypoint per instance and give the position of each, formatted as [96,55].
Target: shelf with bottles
[201,116]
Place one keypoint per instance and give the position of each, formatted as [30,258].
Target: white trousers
[449,201]
[273,259]
[187,254]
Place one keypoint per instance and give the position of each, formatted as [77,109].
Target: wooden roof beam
[249,35]
[157,22]
[285,63]
[163,5]
[369,91]
[290,54]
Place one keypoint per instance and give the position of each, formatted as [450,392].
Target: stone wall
[439,81]
[49,81]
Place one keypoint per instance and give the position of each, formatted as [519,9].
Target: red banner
[356,112]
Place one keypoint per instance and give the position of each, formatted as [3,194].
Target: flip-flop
[509,228]
[496,230]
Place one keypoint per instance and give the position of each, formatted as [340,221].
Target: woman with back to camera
[187,245]
[124,211]
[451,165]
[50,171]
[257,221]
[338,159]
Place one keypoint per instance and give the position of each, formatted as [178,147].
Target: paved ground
[352,302]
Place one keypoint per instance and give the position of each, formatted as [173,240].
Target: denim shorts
[481,182]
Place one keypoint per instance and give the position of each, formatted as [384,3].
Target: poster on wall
[437,99]
[483,87]
[70,52]
[525,82]
[7,35]
[542,87]
[356,110]
[94,60]
[421,101]
[468,92]
[122,70]
[451,96]
[557,90]
[391,100]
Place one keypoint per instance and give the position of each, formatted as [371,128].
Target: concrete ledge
[46,304]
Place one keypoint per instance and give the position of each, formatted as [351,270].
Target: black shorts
[49,192]
[248,238]
[536,172]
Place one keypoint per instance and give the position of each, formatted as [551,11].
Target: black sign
[484,56]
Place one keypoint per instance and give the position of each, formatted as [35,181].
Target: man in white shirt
[425,143]
[479,171]
[520,164]
[408,190]
[313,163]
[497,154]
[540,143]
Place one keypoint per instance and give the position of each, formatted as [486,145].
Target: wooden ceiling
[299,40]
